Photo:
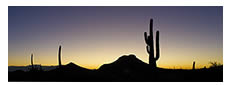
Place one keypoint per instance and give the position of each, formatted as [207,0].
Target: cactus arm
[148,50]
[157,46]
[146,37]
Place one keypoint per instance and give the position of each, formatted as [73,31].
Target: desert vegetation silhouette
[150,46]
[127,68]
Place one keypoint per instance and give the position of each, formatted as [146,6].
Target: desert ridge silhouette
[127,68]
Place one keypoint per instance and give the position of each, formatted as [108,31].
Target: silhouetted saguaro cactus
[150,46]
[59,57]
[193,65]
[32,64]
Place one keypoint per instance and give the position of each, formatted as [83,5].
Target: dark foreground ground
[125,69]
[162,75]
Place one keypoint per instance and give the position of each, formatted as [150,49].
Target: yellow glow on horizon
[90,64]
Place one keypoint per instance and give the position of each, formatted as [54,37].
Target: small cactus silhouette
[32,64]
[193,65]
[59,56]
[150,46]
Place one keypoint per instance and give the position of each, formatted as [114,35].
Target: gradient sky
[92,36]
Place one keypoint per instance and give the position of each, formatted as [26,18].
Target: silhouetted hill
[127,68]
[71,72]
[71,67]
[125,64]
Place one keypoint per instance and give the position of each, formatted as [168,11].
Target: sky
[93,36]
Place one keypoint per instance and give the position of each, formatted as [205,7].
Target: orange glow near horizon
[103,53]
[174,57]
[96,63]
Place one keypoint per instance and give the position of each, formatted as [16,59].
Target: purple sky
[92,36]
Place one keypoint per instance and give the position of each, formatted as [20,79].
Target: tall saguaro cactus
[59,57]
[32,64]
[150,46]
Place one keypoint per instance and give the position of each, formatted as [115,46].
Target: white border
[4,32]
[115,3]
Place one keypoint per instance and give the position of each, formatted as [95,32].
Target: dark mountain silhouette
[71,67]
[71,72]
[125,62]
[126,68]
